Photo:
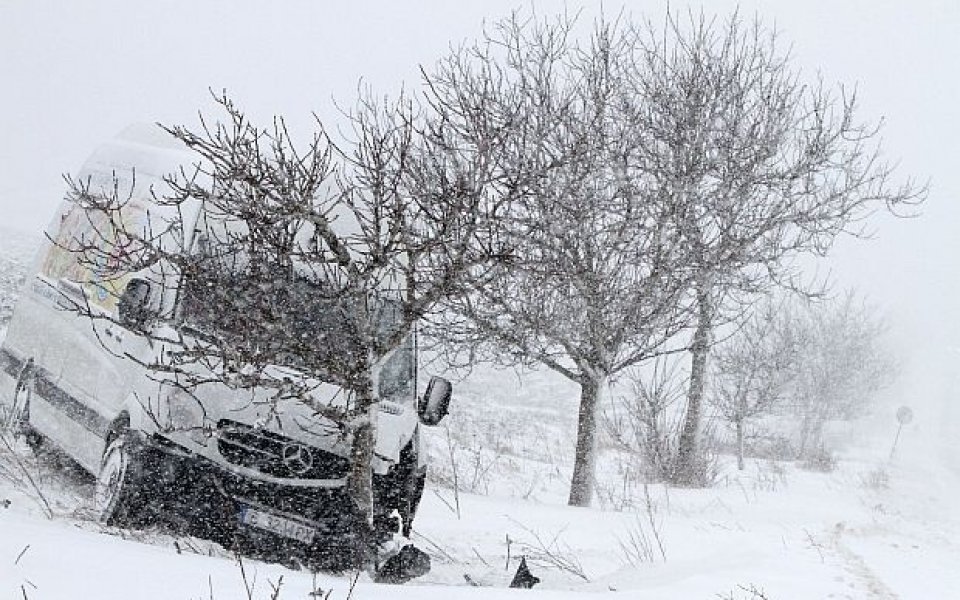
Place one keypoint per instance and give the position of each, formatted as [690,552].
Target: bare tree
[812,360]
[840,364]
[646,420]
[753,369]
[761,166]
[597,278]
[320,258]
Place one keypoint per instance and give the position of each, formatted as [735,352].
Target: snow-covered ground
[875,527]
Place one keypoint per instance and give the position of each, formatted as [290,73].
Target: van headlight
[185,414]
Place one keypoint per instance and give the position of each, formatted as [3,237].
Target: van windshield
[294,324]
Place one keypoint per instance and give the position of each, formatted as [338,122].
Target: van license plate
[278,525]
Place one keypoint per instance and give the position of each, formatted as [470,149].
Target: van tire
[120,496]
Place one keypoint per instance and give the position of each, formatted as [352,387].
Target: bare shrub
[745,592]
[877,479]
[636,547]
[24,477]
[549,552]
[769,445]
[643,540]
[701,468]
[466,464]
[646,423]
[762,440]
[471,462]
[483,449]
[769,477]
[617,491]
[274,589]
[821,460]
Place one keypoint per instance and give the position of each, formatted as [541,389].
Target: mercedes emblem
[298,459]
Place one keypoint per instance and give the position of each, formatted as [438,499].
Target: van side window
[80,231]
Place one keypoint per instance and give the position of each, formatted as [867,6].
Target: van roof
[149,134]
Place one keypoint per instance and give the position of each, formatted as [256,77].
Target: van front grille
[276,455]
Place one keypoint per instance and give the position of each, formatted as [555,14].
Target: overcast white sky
[75,73]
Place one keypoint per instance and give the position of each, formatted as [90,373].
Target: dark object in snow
[403,566]
[524,578]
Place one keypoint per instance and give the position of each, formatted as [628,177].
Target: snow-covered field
[875,527]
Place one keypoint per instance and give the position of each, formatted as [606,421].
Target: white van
[68,380]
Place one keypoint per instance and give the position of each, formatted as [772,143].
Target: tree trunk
[360,478]
[804,435]
[699,349]
[811,436]
[592,391]
[740,444]
[359,481]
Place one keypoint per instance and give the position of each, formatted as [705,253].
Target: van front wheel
[119,497]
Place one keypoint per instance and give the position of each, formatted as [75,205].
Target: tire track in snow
[857,567]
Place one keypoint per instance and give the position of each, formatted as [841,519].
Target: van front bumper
[211,497]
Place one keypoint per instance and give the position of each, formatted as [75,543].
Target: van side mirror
[133,307]
[435,403]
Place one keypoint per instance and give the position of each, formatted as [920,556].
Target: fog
[74,74]
[871,523]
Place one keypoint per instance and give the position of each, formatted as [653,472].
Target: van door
[89,381]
